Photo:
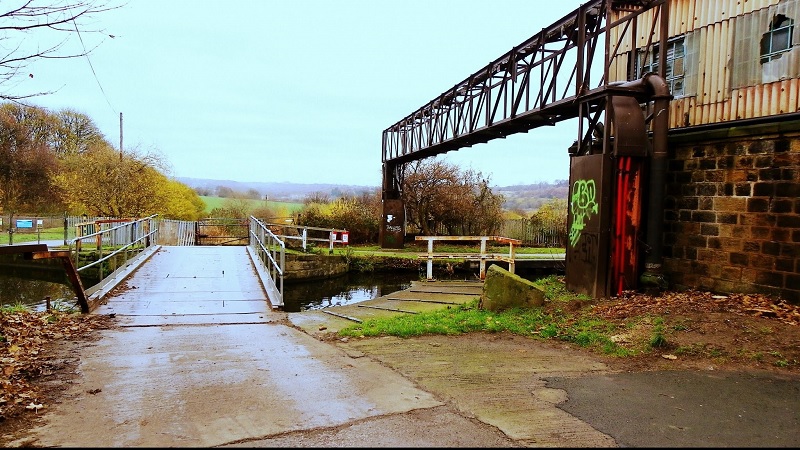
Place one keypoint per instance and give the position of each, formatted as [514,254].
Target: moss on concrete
[504,290]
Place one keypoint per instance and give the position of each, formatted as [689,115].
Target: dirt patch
[40,354]
[699,330]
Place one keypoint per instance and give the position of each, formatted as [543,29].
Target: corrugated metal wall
[725,79]
[176,232]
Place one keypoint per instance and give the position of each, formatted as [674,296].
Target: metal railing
[307,234]
[483,257]
[112,250]
[270,252]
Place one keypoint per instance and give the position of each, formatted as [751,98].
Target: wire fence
[550,233]
[27,228]
[532,232]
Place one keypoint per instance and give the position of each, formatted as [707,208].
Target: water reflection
[33,293]
[347,289]
[30,282]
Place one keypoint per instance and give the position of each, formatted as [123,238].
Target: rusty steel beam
[21,249]
[540,82]
[33,252]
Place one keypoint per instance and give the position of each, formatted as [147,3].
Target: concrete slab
[202,386]
[214,284]
[203,361]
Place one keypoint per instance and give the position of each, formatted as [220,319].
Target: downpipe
[653,277]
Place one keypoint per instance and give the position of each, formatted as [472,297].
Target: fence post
[483,258]
[65,228]
[511,256]
[430,259]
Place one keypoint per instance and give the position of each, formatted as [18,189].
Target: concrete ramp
[191,285]
[200,360]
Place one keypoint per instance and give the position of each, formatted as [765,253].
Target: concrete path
[202,361]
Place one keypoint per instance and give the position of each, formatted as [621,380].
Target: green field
[280,208]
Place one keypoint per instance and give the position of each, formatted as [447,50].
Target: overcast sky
[295,91]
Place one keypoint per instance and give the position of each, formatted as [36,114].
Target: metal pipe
[653,276]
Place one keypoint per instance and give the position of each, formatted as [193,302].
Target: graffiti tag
[582,205]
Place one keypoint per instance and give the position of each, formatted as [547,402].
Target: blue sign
[24,223]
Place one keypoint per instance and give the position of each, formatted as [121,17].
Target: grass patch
[14,309]
[554,322]
[658,340]
[27,237]
[285,208]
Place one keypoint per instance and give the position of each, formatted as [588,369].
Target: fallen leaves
[635,304]
[24,337]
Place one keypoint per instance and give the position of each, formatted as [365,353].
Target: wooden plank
[470,256]
[501,239]
[428,291]
[75,279]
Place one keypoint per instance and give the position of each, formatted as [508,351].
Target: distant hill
[526,197]
[529,197]
[290,192]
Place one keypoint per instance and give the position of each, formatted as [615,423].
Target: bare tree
[53,23]
[439,195]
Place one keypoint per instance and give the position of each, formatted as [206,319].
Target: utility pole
[120,136]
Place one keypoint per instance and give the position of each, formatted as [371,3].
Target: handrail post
[511,256]
[430,259]
[483,257]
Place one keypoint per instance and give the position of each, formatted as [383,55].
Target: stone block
[309,267]
[504,290]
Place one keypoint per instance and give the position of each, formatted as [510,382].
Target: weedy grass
[558,321]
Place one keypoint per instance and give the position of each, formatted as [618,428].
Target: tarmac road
[200,361]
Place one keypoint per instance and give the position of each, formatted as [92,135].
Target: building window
[675,69]
[778,39]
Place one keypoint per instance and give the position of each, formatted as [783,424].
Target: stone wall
[732,212]
[309,267]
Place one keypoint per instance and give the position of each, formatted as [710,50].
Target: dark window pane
[765,44]
[780,40]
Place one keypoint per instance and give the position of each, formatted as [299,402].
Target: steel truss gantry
[560,73]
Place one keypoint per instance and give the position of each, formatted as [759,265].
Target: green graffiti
[582,204]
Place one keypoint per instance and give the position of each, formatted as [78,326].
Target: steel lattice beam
[542,81]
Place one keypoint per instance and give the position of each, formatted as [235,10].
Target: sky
[293,91]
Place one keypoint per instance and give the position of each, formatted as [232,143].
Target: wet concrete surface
[201,360]
[688,408]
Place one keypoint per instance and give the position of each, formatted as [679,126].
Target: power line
[86,54]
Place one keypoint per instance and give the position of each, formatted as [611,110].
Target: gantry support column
[393,217]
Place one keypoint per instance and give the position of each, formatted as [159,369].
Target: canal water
[33,294]
[343,290]
[31,283]
[23,288]
[298,296]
